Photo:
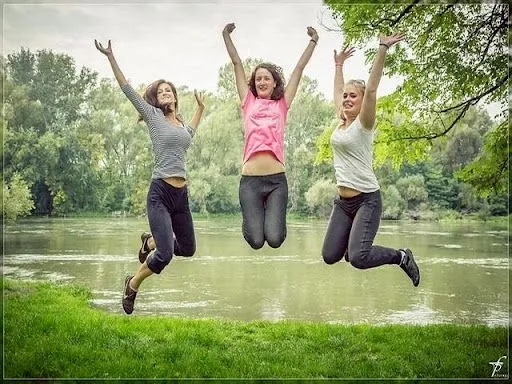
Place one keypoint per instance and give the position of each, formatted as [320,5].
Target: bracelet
[338,65]
[314,41]
[387,46]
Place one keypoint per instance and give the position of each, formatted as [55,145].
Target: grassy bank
[51,331]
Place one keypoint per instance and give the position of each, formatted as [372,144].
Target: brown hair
[277,74]
[150,97]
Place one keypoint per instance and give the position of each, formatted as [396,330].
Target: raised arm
[240,78]
[113,63]
[196,119]
[339,81]
[369,105]
[293,84]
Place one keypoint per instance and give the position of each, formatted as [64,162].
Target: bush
[319,197]
[17,198]
[393,203]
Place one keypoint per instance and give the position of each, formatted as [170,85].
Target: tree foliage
[456,56]
[16,198]
[61,159]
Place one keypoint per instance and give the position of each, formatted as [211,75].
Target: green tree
[456,56]
[412,189]
[393,203]
[45,99]
[320,196]
[307,116]
[17,198]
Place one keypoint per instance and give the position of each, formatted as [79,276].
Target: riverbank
[441,218]
[51,331]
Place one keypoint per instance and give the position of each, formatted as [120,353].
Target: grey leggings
[171,224]
[263,200]
[352,228]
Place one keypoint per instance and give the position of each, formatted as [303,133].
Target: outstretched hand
[313,34]
[199,98]
[229,28]
[339,58]
[392,39]
[106,51]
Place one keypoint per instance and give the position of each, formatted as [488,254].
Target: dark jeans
[263,200]
[168,214]
[352,227]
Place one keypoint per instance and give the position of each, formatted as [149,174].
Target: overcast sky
[180,40]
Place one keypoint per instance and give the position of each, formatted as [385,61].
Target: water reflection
[464,272]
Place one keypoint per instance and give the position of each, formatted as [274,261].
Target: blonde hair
[359,84]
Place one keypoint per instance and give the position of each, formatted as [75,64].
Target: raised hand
[199,98]
[229,28]
[339,58]
[313,34]
[106,51]
[392,39]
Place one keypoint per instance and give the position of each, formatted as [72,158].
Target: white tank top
[353,157]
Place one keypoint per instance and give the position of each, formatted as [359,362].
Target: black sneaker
[128,296]
[410,267]
[144,248]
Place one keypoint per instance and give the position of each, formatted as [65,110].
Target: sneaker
[144,248]
[410,267]
[128,296]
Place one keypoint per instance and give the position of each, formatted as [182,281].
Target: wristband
[314,41]
[387,46]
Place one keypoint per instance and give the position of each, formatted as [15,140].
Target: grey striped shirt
[170,142]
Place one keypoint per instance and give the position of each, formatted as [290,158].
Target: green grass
[52,332]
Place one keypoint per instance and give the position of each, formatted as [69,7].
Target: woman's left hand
[393,39]
[313,34]
[199,98]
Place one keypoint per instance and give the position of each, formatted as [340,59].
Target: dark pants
[263,200]
[352,227]
[168,214]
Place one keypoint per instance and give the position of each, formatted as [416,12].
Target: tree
[412,190]
[456,56]
[320,197]
[307,116]
[393,203]
[45,99]
[17,198]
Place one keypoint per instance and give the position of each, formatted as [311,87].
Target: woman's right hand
[229,28]
[106,51]
[339,58]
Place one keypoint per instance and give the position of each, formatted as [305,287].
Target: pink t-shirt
[264,122]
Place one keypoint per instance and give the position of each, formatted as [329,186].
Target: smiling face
[352,100]
[264,83]
[166,96]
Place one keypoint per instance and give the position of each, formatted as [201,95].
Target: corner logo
[497,367]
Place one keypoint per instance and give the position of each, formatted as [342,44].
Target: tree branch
[477,98]
[393,22]
[489,41]
[406,11]
[439,16]
[482,24]
[432,136]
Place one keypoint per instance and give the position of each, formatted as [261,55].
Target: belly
[261,164]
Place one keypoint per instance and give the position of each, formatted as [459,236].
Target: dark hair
[277,74]
[150,97]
